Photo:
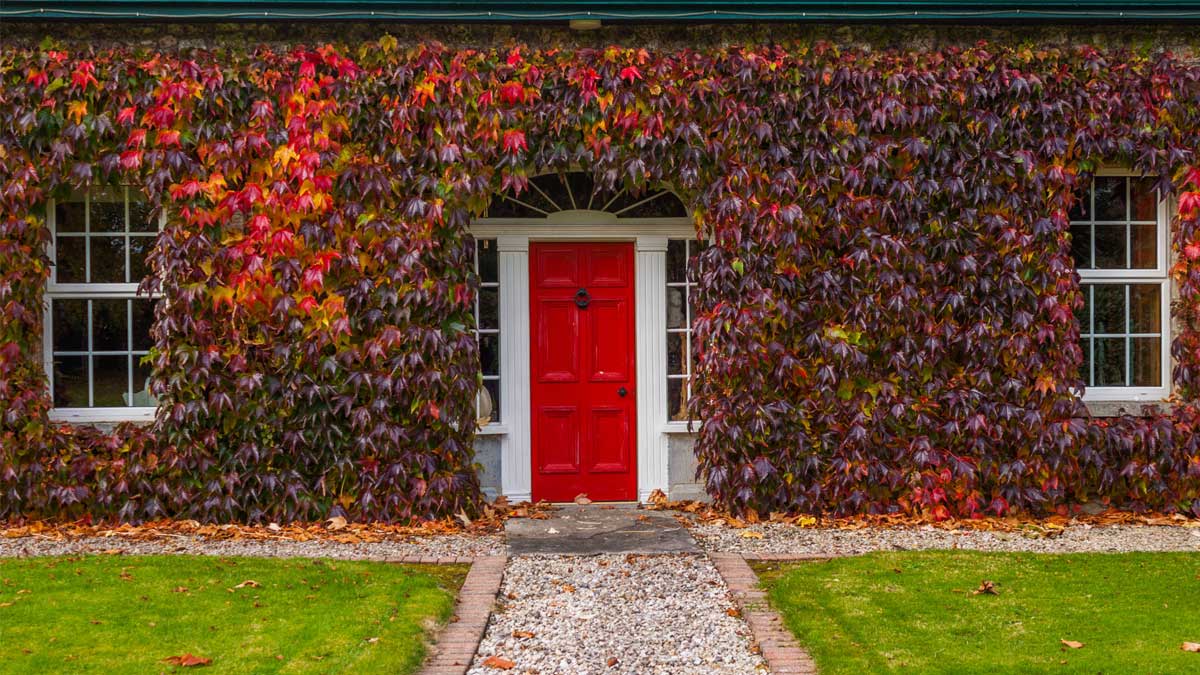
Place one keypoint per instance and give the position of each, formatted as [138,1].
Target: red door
[584,416]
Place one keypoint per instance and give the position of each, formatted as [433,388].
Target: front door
[582,379]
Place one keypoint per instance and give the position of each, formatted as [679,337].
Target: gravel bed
[437,546]
[643,614]
[1081,538]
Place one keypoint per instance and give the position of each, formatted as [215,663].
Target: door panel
[582,361]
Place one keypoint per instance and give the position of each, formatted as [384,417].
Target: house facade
[592,293]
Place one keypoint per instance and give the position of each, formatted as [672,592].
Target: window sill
[102,415]
[681,427]
[1126,407]
[493,429]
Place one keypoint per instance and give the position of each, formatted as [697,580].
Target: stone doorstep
[456,643]
[784,656]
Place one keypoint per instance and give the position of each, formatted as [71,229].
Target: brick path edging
[782,653]
[456,644]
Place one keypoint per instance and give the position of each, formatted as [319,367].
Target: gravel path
[643,614]
[792,540]
[437,546]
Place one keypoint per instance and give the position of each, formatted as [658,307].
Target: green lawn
[118,614]
[915,612]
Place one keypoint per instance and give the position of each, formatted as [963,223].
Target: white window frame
[496,425]
[1158,275]
[87,291]
[691,248]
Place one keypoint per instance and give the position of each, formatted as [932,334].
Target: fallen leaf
[552,531]
[986,588]
[733,611]
[249,583]
[582,499]
[498,662]
[336,523]
[751,534]
[1072,644]
[372,640]
[187,660]
[612,661]
[5,604]
[522,634]
[180,589]
[1190,647]
[274,527]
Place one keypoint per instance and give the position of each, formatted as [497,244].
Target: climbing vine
[885,321]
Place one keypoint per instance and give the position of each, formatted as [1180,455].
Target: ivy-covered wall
[885,323]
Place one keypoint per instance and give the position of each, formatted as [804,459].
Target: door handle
[621,392]
[581,298]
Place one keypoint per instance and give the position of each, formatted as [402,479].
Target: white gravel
[785,539]
[435,546]
[643,614]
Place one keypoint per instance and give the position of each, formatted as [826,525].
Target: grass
[117,614]
[915,612]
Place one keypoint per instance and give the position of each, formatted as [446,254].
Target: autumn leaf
[187,661]
[498,662]
[336,523]
[750,534]
[521,634]
[249,583]
[1193,647]
[582,499]
[1072,644]
[986,588]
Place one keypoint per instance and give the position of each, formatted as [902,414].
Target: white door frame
[650,237]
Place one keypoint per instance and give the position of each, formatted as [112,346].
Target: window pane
[489,354]
[69,317]
[143,320]
[489,308]
[677,399]
[110,381]
[1085,366]
[69,260]
[1145,199]
[1144,246]
[108,212]
[139,248]
[676,260]
[1109,312]
[108,260]
[676,348]
[1147,362]
[70,382]
[1110,198]
[1082,208]
[110,325]
[493,389]
[1110,246]
[141,217]
[1081,245]
[487,260]
[70,216]
[676,311]
[141,384]
[1110,362]
[1145,308]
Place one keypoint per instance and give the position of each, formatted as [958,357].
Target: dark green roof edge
[541,11]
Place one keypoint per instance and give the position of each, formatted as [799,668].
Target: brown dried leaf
[498,662]
[1072,644]
[1190,647]
[336,523]
[986,587]
[612,660]
[582,499]
[249,583]
[521,634]
[187,661]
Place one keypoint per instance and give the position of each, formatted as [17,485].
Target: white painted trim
[512,259]
[102,415]
[621,229]
[650,301]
